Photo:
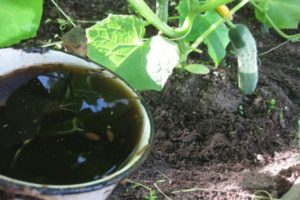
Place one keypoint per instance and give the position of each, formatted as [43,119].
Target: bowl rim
[90,186]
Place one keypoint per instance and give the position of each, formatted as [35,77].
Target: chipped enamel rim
[15,59]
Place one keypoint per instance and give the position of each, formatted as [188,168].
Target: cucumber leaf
[149,67]
[197,69]
[284,13]
[19,20]
[217,41]
[117,43]
[115,38]
[134,70]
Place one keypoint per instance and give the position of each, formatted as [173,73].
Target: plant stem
[187,24]
[211,5]
[229,23]
[63,13]
[238,6]
[162,10]
[158,189]
[278,30]
[136,184]
[184,52]
[193,11]
[214,26]
[141,7]
[206,33]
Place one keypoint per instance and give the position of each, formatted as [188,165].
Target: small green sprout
[241,110]
[152,195]
[271,105]
[281,114]
[298,70]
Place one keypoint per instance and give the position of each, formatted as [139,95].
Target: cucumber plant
[118,42]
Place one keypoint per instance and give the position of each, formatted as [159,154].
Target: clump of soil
[208,135]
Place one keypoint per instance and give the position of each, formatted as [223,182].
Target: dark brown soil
[210,138]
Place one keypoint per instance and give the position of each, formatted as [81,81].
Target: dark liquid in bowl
[64,125]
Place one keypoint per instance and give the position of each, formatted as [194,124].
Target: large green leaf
[284,13]
[117,43]
[114,39]
[217,41]
[150,66]
[19,19]
[134,71]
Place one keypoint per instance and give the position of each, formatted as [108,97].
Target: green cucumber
[245,46]
[236,35]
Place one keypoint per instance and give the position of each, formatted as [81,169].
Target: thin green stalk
[278,30]
[229,23]
[63,13]
[162,10]
[137,184]
[238,6]
[211,5]
[187,25]
[184,51]
[206,33]
[214,26]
